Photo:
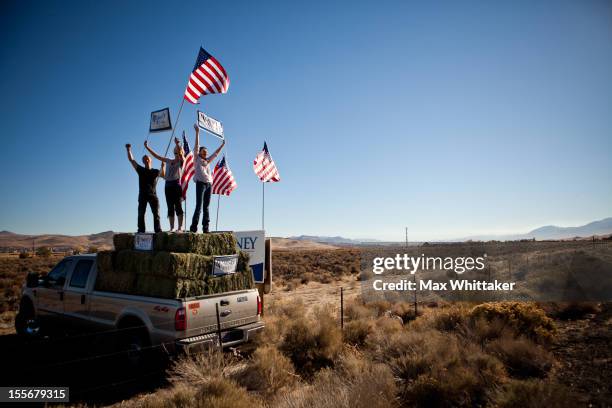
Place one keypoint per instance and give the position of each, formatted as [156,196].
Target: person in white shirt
[203,179]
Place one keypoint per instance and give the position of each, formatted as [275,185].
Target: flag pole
[263,203]
[218,203]
[174,128]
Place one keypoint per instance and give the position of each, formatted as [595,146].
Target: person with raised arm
[172,188]
[147,182]
[203,180]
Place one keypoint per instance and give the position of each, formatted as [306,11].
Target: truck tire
[134,346]
[26,323]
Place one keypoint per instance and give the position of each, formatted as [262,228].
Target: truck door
[76,304]
[50,296]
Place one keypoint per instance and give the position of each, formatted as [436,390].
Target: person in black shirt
[147,194]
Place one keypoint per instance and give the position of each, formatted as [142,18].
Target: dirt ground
[585,356]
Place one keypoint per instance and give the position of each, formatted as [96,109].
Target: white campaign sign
[254,244]
[143,242]
[223,265]
[212,125]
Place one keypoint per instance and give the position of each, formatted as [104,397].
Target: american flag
[223,179]
[188,167]
[264,166]
[208,77]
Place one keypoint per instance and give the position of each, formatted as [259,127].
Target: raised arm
[196,148]
[216,153]
[154,154]
[128,148]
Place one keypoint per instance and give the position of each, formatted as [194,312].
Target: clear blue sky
[453,118]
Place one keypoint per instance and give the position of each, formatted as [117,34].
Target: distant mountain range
[598,228]
[104,240]
[10,240]
[334,240]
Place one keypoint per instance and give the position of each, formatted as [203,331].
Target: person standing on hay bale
[147,182]
[203,180]
[173,184]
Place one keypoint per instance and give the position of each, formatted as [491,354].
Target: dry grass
[534,394]
[13,272]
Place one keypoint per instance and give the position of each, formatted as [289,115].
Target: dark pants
[143,200]
[174,194]
[203,191]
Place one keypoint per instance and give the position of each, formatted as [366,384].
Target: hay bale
[180,265]
[119,282]
[222,243]
[216,243]
[129,260]
[105,261]
[176,288]
[123,241]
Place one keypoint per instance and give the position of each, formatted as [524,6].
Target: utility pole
[406,237]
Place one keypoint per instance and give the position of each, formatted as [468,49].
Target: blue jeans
[203,191]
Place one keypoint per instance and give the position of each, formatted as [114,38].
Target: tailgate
[235,309]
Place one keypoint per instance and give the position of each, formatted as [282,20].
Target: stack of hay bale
[179,266]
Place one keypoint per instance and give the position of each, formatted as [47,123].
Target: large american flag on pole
[264,166]
[208,77]
[223,179]
[188,167]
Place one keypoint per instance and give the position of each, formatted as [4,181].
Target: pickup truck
[66,297]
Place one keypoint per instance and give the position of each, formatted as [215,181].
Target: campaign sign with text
[212,125]
[226,264]
[143,242]
[160,121]
[254,244]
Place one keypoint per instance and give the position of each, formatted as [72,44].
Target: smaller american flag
[188,167]
[264,166]
[208,77]
[223,179]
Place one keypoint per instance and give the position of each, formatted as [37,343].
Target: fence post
[342,308]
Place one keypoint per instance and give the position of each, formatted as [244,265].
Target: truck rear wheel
[135,346]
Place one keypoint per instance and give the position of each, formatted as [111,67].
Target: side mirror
[32,280]
[60,281]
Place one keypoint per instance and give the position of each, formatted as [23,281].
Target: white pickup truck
[65,297]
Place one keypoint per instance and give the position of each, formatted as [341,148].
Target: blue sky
[451,118]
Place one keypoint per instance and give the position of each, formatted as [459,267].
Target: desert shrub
[405,311]
[356,332]
[268,371]
[369,384]
[533,394]
[525,319]
[379,306]
[356,311]
[312,344]
[356,382]
[178,396]
[221,392]
[24,255]
[522,357]
[449,319]
[200,368]
[437,369]
[43,251]
[92,249]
